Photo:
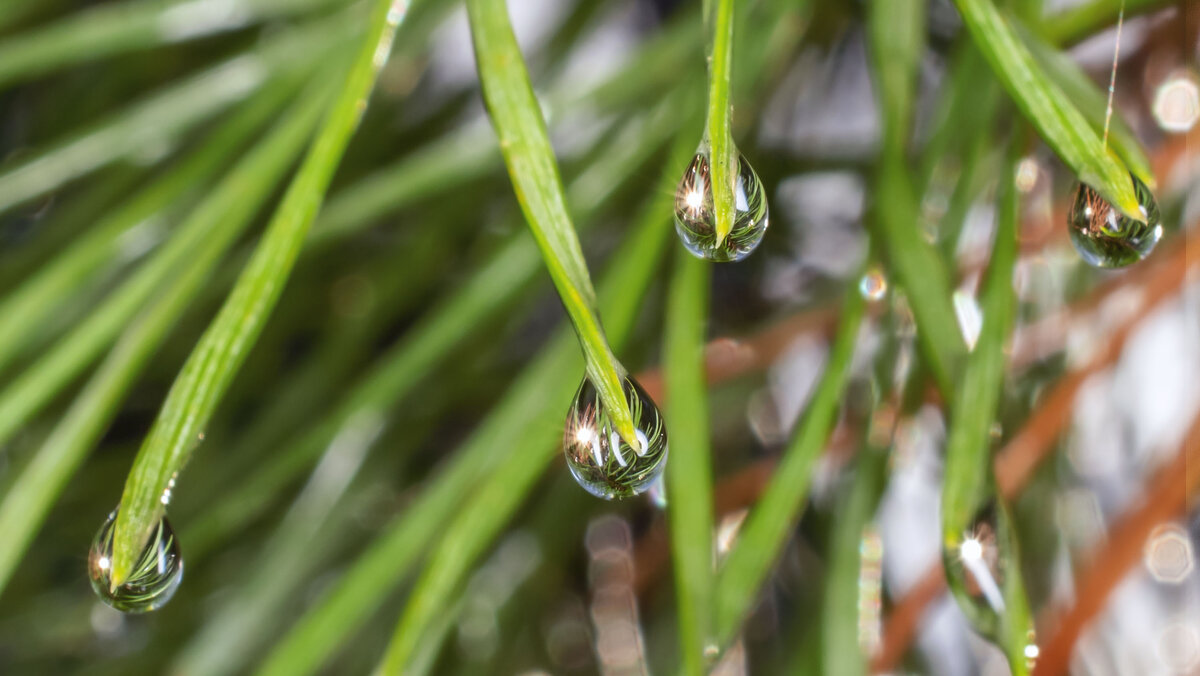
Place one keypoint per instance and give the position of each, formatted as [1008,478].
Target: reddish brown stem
[1021,456]
[1165,498]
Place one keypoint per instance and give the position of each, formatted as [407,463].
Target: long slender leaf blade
[841,651]
[221,350]
[719,130]
[770,521]
[26,504]
[1056,118]
[43,293]
[505,488]
[218,219]
[895,219]
[968,482]
[164,116]
[897,38]
[689,472]
[115,28]
[518,121]
[1091,102]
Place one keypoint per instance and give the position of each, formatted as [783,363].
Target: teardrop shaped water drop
[599,458]
[873,285]
[976,565]
[695,218]
[154,579]
[1105,237]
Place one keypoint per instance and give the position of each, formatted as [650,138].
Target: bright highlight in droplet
[1032,652]
[971,550]
[599,460]
[695,216]
[584,435]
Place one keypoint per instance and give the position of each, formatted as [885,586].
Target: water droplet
[599,459]
[695,220]
[1031,651]
[873,285]
[1106,238]
[154,579]
[976,565]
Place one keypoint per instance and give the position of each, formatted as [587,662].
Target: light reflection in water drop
[155,577]
[976,568]
[1106,238]
[695,219]
[601,462]
[1031,651]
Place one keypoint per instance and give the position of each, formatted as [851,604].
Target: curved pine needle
[766,527]
[25,506]
[164,117]
[968,483]
[1044,104]
[41,294]
[535,440]
[116,28]
[1078,87]
[220,352]
[688,477]
[519,125]
[718,128]
[484,296]
[219,218]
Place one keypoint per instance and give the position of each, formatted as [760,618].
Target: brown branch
[1021,456]
[1165,498]
[727,358]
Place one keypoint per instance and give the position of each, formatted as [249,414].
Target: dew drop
[599,459]
[1031,650]
[695,219]
[1107,239]
[873,285]
[154,579]
[976,565]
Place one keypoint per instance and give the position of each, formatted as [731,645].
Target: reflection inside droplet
[155,576]
[975,570]
[1105,237]
[695,218]
[599,459]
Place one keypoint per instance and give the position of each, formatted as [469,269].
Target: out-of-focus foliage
[374,409]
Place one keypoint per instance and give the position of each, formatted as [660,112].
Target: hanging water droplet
[599,459]
[873,285]
[1106,238]
[695,219]
[976,565]
[154,579]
